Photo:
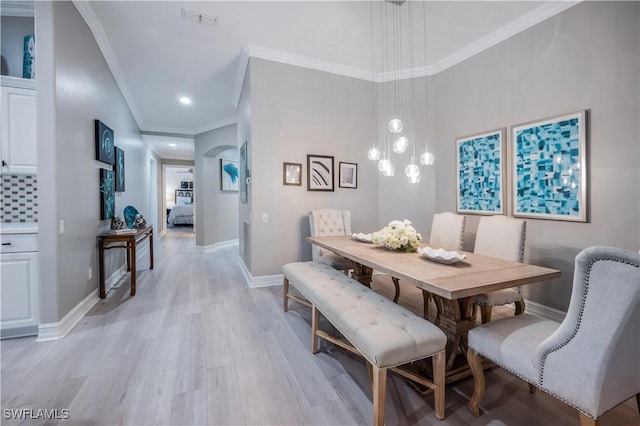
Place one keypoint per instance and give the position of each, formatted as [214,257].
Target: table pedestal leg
[362,274]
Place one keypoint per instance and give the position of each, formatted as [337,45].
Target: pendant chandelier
[396,135]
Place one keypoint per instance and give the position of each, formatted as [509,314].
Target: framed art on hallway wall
[229,175]
[348,175]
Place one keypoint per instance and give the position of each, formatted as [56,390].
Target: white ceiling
[157,57]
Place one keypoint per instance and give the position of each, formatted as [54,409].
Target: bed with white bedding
[181,215]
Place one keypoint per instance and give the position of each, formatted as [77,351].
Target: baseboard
[58,330]
[217,246]
[261,281]
[544,311]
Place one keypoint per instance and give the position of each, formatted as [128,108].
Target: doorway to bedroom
[179,198]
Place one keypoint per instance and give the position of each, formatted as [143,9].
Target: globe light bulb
[427,158]
[412,170]
[389,171]
[395,125]
[374,154]
[400,145]
[384,164]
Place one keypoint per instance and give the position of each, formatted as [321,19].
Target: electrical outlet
[90,272]
[265,217]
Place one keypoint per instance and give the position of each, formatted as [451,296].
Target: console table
[127,240]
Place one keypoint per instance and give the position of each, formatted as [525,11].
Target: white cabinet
[18,152]
[19,288]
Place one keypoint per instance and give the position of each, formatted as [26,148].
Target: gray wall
[584,58]
[216,211]
[12,32]
[76,88]
[295,112]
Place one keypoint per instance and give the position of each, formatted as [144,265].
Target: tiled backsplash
[19,198]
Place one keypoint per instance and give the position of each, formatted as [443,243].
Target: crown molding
[19,9]
[521,24]
[243,63]
[89,16]
[307,62]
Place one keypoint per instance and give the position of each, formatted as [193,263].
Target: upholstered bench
[386,334]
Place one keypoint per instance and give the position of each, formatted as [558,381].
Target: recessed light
[172,145]
[185,100]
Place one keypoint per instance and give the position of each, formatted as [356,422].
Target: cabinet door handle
[6,244]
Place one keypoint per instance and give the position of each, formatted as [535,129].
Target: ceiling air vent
[199,18]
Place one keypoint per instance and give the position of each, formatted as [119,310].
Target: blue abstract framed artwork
[107,194]
[118,168]
[480,180]
[229,175]
[105,148]
[549,168]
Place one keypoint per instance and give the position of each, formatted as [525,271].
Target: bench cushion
[385,333]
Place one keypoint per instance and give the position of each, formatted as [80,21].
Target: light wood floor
[197,346]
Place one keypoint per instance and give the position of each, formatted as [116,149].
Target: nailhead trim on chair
[577,327]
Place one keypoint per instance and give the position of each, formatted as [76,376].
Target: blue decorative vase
[130,213]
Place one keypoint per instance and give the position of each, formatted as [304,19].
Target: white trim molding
[243,63]
[217,246]
[20,9]
[261,281]
[544,311]
[57,330]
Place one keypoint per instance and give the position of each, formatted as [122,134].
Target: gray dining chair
[447,232]
[329,223]
[502,237]
[590,359]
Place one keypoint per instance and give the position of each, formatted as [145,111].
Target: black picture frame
[118,169]
[348,175]
[320,173]
[107,194]
[292,174]
[105,143]
[184,184]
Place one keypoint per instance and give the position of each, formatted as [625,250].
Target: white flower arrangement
[398,235]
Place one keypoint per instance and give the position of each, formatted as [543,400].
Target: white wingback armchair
[328,223]
[503,237]
[590,360]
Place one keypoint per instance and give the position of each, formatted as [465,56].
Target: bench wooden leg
[285,294]
[315,320]
[439,362]
[379,392]
[520,307]
[475,362]
[425,304]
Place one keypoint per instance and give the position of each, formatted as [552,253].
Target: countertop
[19,228]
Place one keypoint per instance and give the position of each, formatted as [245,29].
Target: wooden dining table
[452,286]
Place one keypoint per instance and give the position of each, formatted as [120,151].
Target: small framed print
[292,174]
[229,175]
[348,175]
[319,173]
[119,170]
[184,184]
